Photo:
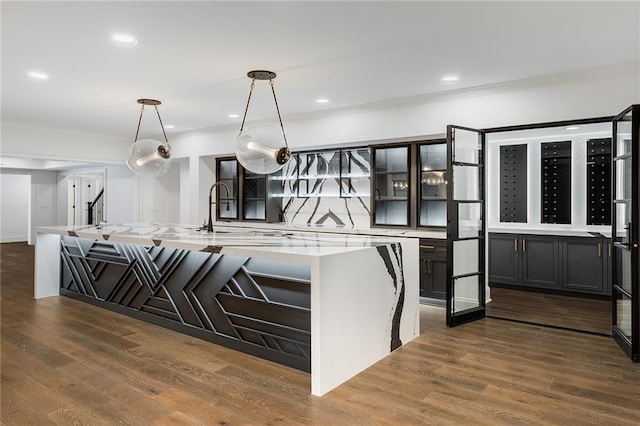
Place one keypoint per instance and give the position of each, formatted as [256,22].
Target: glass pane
[232,213]
[623,269]
[433,213]
[469,220]
[466,183]
[392,159]
[433,157]
[623,313]
[623,220]
[433,186]
[466,293]
[623,178]
[466,255]
[228,175]
[623,132]
[391,212]
[466,146]
[254,209]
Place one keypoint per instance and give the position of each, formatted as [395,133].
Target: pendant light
[262,149]
[148,157]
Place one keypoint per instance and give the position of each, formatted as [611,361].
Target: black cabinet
[574,264]
[433,268]
[527,260]
[586,264]
[513,183]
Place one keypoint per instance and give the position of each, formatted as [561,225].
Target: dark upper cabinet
[513,183]
[227,173]
[409,187]
[433,268]
[599,181]
[556,182]
[392,186]
[432,170]
[254,196]
[251,195]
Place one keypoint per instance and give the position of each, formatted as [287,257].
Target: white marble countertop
[242,241]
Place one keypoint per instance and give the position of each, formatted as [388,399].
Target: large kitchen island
[326,303]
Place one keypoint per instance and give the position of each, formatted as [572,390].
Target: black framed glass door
[624,228]
[465,225]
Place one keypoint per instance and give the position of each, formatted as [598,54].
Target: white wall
[42,198]
[15,197]
[160,197]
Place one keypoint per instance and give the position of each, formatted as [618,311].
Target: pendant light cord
[273,90]
[161,125]
[275,100]
[246,109]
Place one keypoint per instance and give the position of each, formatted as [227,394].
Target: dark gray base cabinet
[433,268]
[575,264]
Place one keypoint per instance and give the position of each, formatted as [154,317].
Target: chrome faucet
[211,202]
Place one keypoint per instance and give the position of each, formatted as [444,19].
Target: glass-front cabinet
[392,186]
[433,184]
[410,184]
[254,196]
[227,204]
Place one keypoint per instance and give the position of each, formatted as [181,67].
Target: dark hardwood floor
[65,362]
[577,313]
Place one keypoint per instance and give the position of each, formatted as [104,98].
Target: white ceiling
[194,56]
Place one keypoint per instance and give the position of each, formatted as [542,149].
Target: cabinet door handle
[428,247]
[609,250]
[429,266]
[515,244]
[524,245]
[599,249]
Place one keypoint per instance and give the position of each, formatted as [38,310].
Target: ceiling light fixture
[322,101]
[234,115]
[450,78]
[38,75]
[148,157]
[572,128]
[124,39]
[169,126]
[262,148]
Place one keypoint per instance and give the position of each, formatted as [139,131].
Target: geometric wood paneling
[252,305]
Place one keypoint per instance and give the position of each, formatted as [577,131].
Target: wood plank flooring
[577,313]
[65,362]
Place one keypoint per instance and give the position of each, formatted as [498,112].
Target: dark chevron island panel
[256,306]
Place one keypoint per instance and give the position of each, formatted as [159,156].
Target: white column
[47,266]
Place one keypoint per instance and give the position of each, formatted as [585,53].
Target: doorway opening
[549,224]
[85,199]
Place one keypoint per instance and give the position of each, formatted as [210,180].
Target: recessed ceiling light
[450,78]
[322,101]
[572,128]
[169,126]
[124,39]
[234,116]
[38,75]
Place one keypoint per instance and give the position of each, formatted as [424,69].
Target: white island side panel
[353,301]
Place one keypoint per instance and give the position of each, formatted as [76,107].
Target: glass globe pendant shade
[261,149]
[148,158]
